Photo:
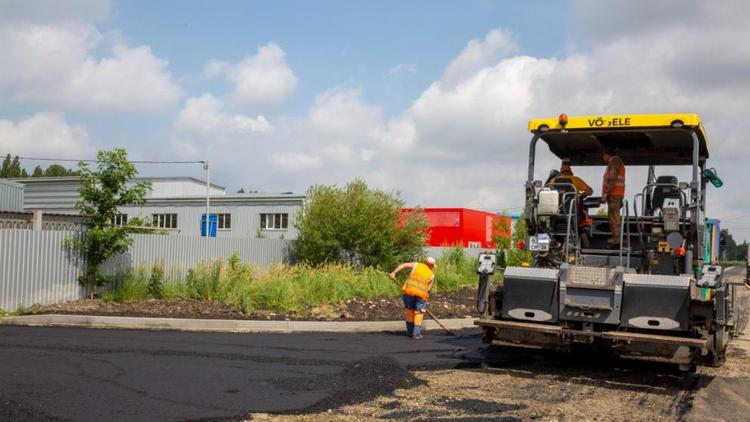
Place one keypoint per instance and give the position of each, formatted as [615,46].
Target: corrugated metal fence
[438,251]
[177,254]
[37,268]
[11,195]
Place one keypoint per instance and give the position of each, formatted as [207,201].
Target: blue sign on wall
[213,221]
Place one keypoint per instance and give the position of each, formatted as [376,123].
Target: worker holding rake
[416,293]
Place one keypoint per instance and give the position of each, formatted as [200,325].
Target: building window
[164,221]
[224,221]
[275,221]
[120,220]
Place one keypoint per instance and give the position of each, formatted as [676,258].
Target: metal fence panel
[36,267]
[11,195]
[438,251]
[177,253]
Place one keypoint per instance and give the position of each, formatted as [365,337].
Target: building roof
[228,199]
[10,182]
[27,180]
[180,178]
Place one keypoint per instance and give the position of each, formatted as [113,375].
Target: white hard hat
[430,260]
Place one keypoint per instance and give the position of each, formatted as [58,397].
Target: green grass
[283,287]
[30,310]
[733,263]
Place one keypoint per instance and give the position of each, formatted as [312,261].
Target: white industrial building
[178,204]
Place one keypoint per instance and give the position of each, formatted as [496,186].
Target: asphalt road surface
[58,374]
[50,374]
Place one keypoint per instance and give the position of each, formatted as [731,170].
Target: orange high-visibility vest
[418,283]
[614,178]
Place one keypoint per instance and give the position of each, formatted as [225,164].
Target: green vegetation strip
[281,287]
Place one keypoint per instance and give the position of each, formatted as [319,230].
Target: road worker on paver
[566,172]
[416,293]
[613,191]
[582,190]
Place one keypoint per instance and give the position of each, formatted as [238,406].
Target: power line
[85,160]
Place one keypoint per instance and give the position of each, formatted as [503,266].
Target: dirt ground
[456,304]
[555,387]
[516,385]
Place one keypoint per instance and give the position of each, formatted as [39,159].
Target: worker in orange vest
[582,190]
[416,293]
[613,192]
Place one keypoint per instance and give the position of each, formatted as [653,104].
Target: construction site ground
[61,374]
[515,385]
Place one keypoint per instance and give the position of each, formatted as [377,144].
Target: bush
[358,226]
[517,256]
[156,282]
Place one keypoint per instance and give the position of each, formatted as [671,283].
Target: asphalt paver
[53,374]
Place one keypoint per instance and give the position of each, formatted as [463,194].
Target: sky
[428,99]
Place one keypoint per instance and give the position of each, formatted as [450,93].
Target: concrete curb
[222,325]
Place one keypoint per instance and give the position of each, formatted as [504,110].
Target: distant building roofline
[216,199]
[25,180]
[11,182]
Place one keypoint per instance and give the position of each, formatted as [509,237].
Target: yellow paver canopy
[640,139]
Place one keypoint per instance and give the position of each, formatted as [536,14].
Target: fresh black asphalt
[51,374]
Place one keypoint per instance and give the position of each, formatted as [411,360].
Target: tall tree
[103,190]
[5,169]
[15,168]
[38,172]
[12,167]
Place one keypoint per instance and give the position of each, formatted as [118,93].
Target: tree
[517,256]
[5,170]
[733,251]
[103,190]
[501,235]
[15,168]
[11,168]
[242,190]
[359,226]
[38,172]
[56,170]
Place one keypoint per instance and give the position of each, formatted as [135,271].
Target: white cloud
[402,68]
[206,116]
[296,161]
[477,54]
[341,113]
[262,79]
[56,65]
[334,138]
[45,134]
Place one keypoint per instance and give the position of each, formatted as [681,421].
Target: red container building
[465,227]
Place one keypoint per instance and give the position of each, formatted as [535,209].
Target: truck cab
[659,295]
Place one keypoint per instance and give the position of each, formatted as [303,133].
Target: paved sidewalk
[222,325]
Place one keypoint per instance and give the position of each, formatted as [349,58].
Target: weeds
[30,310]
[156,282]
[281,287]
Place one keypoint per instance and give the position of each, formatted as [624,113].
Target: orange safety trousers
[414,310]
